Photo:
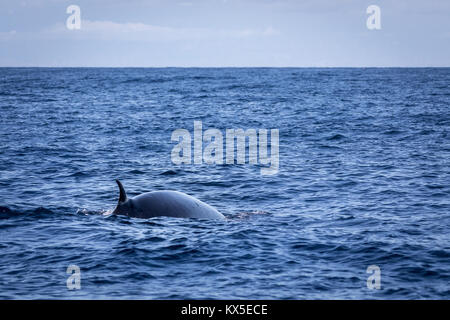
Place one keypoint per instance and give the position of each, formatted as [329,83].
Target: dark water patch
[146,80]
[336,137]
[135,171]
[169,173]
[392,132]
[5,210]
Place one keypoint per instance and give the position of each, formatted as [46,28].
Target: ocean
[358,209]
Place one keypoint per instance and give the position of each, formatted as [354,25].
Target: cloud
[146,32]
[136,31]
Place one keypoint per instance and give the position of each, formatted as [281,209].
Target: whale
[165,203]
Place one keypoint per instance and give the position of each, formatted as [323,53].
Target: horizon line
[231,67]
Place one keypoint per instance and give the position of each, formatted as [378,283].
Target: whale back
[172,204]
[164,203]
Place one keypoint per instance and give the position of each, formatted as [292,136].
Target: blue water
[363,180]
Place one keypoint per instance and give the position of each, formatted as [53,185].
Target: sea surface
[364,173]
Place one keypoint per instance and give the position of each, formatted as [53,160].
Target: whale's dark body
[164,203]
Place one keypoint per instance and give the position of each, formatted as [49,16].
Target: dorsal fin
[123,194]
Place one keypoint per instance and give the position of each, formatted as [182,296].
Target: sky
[225,33]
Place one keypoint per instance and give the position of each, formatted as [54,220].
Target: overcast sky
[221,33]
